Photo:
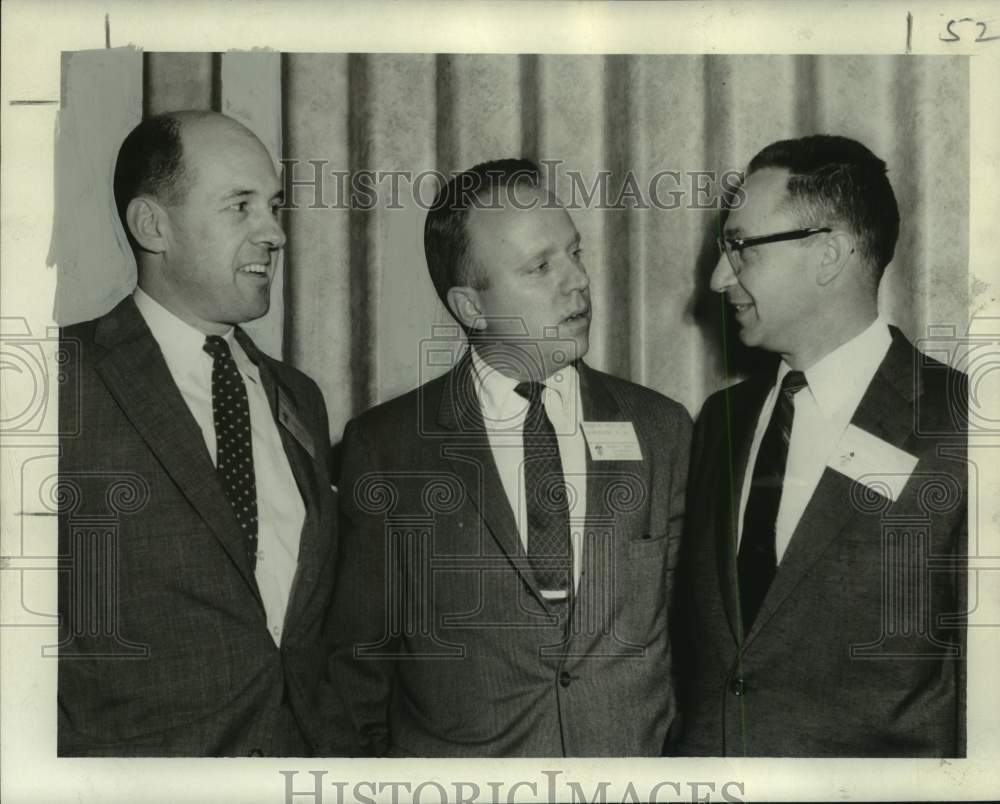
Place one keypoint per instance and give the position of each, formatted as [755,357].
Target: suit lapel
[136,375]
[606,526]
[297,441]
[883,412]
[295,437]
[600,406]
[743,404]
[467,450]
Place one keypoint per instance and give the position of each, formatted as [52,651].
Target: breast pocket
[643,579]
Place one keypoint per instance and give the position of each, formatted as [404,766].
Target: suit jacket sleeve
[360,661]
[679,490]
[681,616]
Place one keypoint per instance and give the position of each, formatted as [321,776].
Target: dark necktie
[758,558]
[549,551]
[233,442]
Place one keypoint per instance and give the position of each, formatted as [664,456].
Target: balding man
[190,625]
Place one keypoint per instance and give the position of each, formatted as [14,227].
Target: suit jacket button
[737,686]
[564,679]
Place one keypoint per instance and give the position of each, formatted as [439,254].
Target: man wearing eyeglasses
[822,576]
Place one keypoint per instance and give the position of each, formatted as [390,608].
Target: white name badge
[612,441]
[869,460]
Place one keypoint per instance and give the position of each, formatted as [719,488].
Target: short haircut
[838,180]
[446,236]
[151,162]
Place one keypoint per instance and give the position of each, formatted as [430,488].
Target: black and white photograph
[499,402]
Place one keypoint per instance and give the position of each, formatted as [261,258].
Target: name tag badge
[875,463]
[612,441]
[290,421]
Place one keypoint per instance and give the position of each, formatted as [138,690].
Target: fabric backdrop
[354,306]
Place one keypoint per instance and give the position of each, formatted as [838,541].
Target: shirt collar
[496,391]
[839,379]
[179,341]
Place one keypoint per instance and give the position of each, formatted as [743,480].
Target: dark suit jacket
[445,645]
[858,649]
[165,649]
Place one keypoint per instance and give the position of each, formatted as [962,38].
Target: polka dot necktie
[545,487]
[234,446]
[758,556]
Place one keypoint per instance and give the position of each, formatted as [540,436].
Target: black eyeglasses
[733,247]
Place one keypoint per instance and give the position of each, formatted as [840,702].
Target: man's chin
[259,306]
[566,350]
[748,336]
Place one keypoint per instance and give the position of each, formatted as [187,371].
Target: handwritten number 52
[954,37]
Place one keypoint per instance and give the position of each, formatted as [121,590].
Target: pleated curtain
[354,306]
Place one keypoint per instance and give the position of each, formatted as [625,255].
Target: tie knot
[794,382]
[217,347]
[532,391]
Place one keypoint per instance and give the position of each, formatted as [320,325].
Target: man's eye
[239,206]
[578,253]
[542,267]
[275,209]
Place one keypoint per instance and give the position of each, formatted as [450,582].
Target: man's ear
[464,303]
[837,252]
[147,221]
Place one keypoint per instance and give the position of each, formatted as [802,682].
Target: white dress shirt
[280,509]
[822,412]
[503,412]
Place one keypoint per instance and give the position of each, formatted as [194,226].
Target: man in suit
[823,578]
[197,520]
[509,530]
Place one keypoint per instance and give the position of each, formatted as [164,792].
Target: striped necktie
[758,560]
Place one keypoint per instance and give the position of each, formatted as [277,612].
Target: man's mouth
[577,316]
[741,307]
[255,268]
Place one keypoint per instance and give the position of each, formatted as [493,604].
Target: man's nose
[576,276]
[269,232]
[722,275]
